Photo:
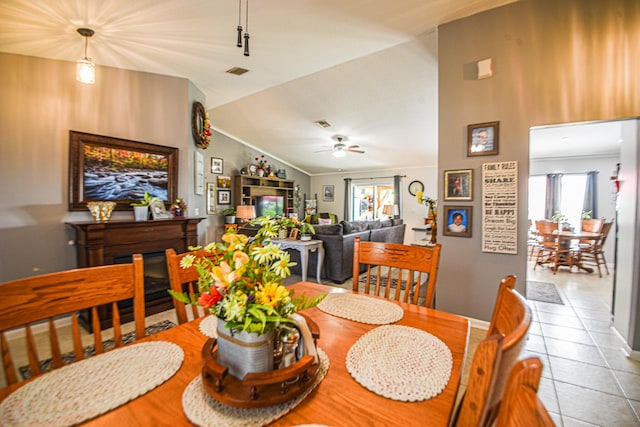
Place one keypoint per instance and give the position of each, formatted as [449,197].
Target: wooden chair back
[184,280]
[473,410]
[606,228]
[521,405]
[592,225]
[545,228]
[48,296]
[414,267]
[511,318]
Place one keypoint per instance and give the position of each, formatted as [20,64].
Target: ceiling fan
[340,149]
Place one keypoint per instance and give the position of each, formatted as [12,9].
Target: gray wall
[41,102]
[554,62]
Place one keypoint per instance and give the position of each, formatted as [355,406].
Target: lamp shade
[85,71]
[391,210]
[246,212]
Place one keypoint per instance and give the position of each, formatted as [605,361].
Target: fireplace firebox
[115,241]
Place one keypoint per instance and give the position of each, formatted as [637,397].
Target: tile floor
[587,379]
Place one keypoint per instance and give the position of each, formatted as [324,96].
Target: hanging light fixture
[246,27]
[85,68]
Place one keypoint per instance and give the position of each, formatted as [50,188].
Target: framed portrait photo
[328,193]
[216,165]
[482,139]
[458,221]
[158,210]
[224,197]
[458,184]
[211,198]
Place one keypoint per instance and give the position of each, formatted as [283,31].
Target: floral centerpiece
[262,165]
[241,283]
[431,212]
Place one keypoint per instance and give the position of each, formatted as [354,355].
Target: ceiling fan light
[339,153]
[85,71]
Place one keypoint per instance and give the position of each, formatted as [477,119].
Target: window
[369,200]
[571,199]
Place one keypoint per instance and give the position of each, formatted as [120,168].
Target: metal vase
[244,352]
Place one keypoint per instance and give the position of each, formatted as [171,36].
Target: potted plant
[141,207]
[229,215]
[306,230]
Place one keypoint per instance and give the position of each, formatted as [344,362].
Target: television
[270,206]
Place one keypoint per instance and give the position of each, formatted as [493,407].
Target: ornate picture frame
[95,161]
[458,221]
[458,185]
[483,139]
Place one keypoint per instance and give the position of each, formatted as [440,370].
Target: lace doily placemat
[86,389]
[209,326]
[400,363]
[204,411]
[361,308]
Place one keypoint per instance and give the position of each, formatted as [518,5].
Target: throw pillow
[324,221]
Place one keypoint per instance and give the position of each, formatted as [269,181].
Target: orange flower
[210,299]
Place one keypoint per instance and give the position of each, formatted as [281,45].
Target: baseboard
[478,324]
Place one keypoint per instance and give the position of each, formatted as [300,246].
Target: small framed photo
[327,193]
[211,198]
[482,139]
[224,182]
[216,165]
[158,210]
[458,221]
[458,184]
[224,197]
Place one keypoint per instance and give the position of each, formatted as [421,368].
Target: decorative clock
[200,125]
[415,186]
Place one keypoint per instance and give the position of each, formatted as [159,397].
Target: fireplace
[115,241]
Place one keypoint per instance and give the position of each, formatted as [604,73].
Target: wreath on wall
[200,125]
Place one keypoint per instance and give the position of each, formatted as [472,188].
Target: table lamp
[245,214]
[391,210]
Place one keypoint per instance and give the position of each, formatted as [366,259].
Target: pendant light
[85,68]
[246,27]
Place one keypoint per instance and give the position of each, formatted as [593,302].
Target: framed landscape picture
[458,184]
[482,139]
[458,221]
[102,168]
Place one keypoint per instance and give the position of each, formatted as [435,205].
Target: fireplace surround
[112,242]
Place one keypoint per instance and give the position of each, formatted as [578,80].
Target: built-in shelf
[248,187]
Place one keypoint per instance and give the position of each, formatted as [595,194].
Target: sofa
[338,245]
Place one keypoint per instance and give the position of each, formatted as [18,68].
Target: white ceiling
[587,139]
[368,67]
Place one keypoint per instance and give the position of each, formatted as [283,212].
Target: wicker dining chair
[521,405]
[31,300]
[413,267]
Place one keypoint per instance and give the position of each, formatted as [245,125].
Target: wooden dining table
[565,238]
[337,401]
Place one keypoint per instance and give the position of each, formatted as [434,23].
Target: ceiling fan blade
[351,150]
[353,146]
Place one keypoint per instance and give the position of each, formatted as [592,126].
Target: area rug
[543,292]
[68,358]
[374,278]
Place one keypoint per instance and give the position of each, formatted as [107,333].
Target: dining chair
[510,320]
[184,280]
[404,273]
[46,297]
[473,410]
[521,405]
[551,249]
[592,251]
[592,225]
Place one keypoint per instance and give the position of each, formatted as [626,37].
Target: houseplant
[240,282]
[141,207]
[229,215]
[306,230]
[432,216]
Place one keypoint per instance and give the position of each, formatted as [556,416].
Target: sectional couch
[338,245]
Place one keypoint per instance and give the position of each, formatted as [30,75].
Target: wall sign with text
[500,207]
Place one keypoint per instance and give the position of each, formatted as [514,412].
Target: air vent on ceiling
[237,71]
[323,124]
